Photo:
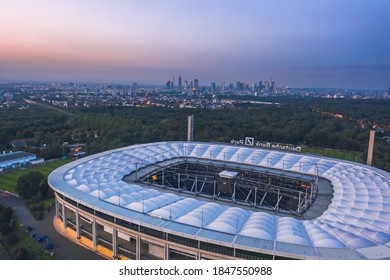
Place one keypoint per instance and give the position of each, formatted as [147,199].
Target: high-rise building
[179,83]
[185,85]
[134,88]
[239,86]
[261,86]
[231,87]
[213,87]
[173,83]
[273,87]
[196,84]
[168,85]
[223,86]
[266,87]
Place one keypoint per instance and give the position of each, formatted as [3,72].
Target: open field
[8,181]
[339,154]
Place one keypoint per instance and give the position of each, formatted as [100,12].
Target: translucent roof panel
[230,221]
[176,209]
[290,230]
[153,203]
[259,225]
[202,215]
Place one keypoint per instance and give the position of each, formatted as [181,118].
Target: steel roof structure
[356,224]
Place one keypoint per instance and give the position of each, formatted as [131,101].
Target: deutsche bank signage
[250,141]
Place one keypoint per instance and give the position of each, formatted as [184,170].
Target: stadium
[192,200]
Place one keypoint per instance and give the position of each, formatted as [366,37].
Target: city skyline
[299,43]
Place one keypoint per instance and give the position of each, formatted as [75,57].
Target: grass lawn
[8,181]
[35,250]
[339,154]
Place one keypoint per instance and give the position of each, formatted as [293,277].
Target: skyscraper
[261,86]
[135,88]
[266,89]
[223,86]
[179,83]
[239,86]
[212,87]
[196,84]
[254,87]
[273,87]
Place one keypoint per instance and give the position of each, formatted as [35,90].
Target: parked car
[37,237]
[48,243]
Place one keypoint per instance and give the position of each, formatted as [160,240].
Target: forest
[332,124]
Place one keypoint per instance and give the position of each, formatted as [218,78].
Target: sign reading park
[250,141]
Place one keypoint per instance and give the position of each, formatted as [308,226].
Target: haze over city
[301,43]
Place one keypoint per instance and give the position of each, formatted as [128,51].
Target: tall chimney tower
[190,134]
[370,147]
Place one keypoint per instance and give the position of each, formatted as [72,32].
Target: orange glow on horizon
[27,52]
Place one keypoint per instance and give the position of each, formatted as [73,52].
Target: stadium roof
[356,224]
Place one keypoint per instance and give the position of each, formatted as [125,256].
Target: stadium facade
[195,200]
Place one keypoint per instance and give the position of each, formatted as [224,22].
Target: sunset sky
[299,43]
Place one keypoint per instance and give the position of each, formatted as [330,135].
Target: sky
[297,43]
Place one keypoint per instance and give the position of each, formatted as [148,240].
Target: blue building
[15,159]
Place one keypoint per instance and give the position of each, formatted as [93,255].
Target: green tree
[6,214]
[30,184]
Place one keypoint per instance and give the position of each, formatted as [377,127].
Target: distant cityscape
[178,93]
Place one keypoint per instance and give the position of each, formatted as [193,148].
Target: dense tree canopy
[6,214]
[31,184]
[312,122]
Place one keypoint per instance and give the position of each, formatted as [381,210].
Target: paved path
[64,249]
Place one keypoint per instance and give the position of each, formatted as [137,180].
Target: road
[64,249]
[49,107]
